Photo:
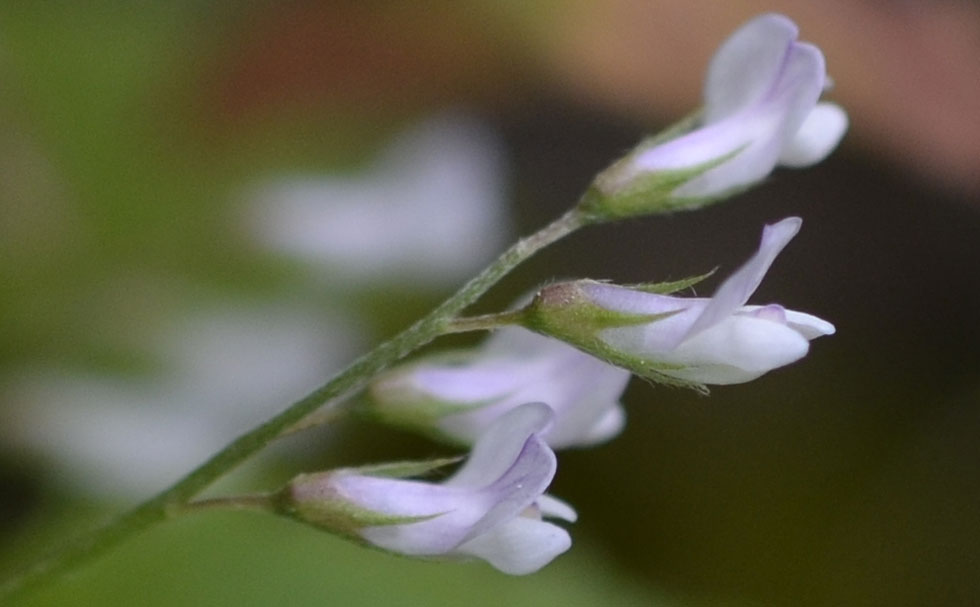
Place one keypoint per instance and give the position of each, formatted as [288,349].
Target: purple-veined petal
[797,91]
[819,134]
[501,445]
[745,67]
[519,546]
[520,486]
[736,290]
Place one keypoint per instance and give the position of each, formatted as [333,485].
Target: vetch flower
[760,110]
[687,340]
[429,210]
[490,509]
[223,370]
[457,396]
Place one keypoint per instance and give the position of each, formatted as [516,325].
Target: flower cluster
[555,380]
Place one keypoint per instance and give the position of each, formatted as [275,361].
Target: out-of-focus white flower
[225,371]
[491,509]
[717,340]
[760,110]
[458,395]
[431,209]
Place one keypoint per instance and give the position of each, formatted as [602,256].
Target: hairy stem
[174,501]
[261,502]
[484,322]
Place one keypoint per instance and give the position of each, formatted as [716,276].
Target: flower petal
[519,546]
[603,429]
[454,512]
[552,507]
[501,445]
[738,349]
[817,137]
[509,468]
[737,289]
[747,65]
[520,486]
[797,91]
[808,325]
[465,382]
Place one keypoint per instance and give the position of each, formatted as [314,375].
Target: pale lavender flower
[760,110]
[491,509]
[225,370]
[456,396]
[717,340]
[429,210]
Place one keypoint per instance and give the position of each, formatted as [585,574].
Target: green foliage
[248,559]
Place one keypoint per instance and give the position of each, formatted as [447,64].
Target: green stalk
[485,322]
[173,501]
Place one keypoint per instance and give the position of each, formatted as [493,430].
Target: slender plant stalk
[484,322]
[259,502]
[175,500]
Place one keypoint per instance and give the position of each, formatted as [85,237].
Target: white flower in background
[490,509]
[431,209]
[760,110]
[458,395]
[717,340]
[224,371]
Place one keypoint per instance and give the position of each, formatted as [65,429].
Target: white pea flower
[457,396]
[717,340]
[429,210]
[760,110]
[225,370]
[491,509]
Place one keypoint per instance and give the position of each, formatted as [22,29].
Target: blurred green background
[130,133]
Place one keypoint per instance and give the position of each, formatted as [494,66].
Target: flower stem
[484,322]
[262,502]
[174,501]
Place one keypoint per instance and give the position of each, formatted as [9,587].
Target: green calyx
[621,191]
[311,499]
[666,288]
[565,312]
